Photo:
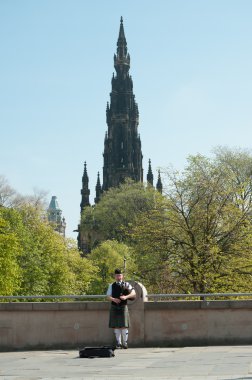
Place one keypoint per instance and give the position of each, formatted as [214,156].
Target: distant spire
[159,185]
[98,189]
[107,112]
[122,58]
[150,175]
[85,175]
[121,42]
[85,190]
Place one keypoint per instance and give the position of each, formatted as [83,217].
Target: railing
[54,297]
[155,297]
[201,296]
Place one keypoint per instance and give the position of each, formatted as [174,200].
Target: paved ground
[194,363]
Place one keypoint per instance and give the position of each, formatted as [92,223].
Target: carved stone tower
[85,192]
[159,185]
[150,175]
[54,214]
[122,146]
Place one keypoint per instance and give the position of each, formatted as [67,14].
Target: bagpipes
[126,291]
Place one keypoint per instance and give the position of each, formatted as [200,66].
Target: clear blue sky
[191,63]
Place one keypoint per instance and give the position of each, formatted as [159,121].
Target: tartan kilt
[119,316]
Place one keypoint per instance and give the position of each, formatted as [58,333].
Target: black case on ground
[97,352]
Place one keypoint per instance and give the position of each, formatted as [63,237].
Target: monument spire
[85,192]
[122,145]
[150,175]
[98,189]
[121,42]
[159,185]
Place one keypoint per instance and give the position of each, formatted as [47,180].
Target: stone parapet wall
[186,323]
[36,325]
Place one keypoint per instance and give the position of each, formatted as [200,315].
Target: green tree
[238,166]
[106,257]
[45,262]
[117,208]
[201,240]
[82,272]
[10,274]
[52,265]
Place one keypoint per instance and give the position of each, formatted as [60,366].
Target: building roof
[54,205]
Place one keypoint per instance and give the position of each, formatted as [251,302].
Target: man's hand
[116,300]
[123,298]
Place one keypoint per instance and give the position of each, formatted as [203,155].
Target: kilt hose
[119,316]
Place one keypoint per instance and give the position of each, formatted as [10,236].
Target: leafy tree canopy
[117,208]
[36,260]
[201,241]
[107,256]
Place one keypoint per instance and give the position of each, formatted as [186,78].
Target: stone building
[122,156]
[54,214]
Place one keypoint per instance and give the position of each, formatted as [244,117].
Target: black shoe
[125,346]
[118,346]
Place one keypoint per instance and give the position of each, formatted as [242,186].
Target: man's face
[118,277]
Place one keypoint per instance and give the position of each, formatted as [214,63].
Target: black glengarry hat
[118,271]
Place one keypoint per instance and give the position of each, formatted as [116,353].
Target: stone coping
[192,305]
[54,306]
[103,305]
